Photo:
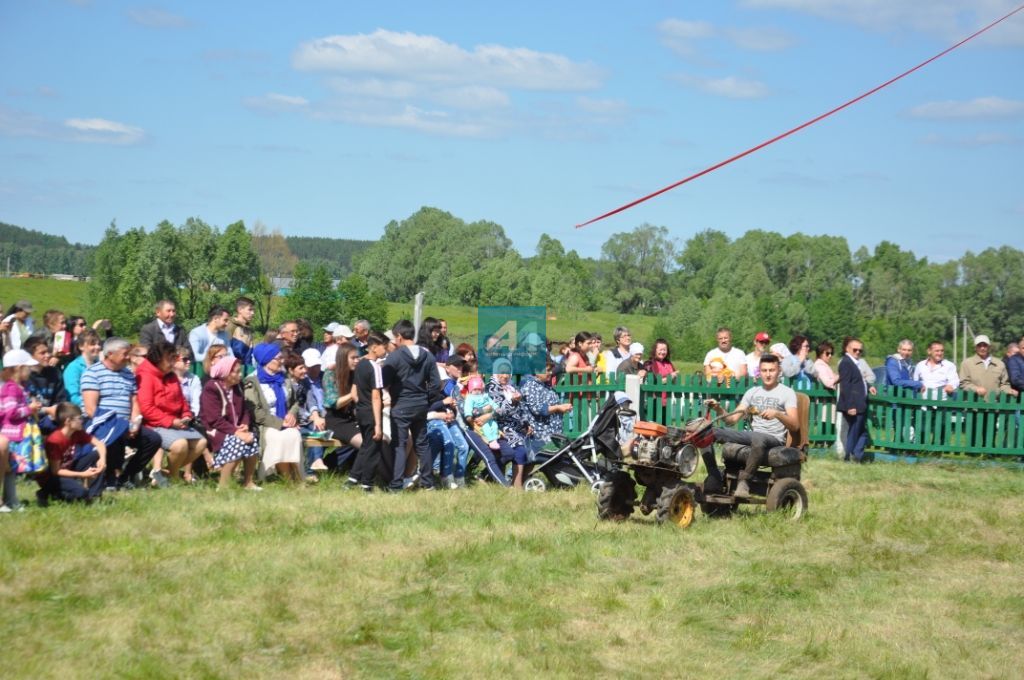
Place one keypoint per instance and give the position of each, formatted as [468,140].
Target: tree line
[198,266]
[811,285]
[26,250]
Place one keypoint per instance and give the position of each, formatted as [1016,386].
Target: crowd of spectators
[86,412]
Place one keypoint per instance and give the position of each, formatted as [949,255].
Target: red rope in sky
[799,127]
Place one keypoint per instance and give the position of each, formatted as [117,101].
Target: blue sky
[331,119]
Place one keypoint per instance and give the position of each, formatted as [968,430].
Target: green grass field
[67,296]
[898,571]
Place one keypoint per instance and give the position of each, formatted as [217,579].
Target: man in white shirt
[936,373]
[614,357]
[733,357]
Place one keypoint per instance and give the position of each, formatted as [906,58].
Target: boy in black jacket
[410,376]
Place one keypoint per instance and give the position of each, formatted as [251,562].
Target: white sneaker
[160,480]
[4,508]
[318,465]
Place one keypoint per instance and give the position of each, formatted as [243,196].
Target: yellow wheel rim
[681,511]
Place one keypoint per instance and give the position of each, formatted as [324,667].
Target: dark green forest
[39,253]
[335,254]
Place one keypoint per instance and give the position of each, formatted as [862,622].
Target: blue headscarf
[264,353]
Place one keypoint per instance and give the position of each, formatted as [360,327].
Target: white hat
[389,335]
[980,340]
[533,339]
[19,357]
[636,348]
[622,398]
[342,331]
[331,327]
[311,357]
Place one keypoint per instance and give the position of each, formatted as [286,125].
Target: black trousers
[403,425]
[760,444]
[146,443]
[371,461]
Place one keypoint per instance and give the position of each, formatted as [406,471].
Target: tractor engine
[660,446]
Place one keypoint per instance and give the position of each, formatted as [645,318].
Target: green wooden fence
[899,420]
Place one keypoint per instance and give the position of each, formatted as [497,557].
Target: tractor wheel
[535,484]
[787,496]
[676,505]
[616,497]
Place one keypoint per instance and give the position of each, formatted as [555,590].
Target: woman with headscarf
[274,413]
[227,420]
[513,420]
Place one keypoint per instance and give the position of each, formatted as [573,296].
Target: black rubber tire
[676,505]
[649,501]
[787,496]
[616,498]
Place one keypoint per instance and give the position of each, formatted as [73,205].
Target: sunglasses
[858,350]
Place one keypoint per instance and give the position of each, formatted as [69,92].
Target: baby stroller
[583,460]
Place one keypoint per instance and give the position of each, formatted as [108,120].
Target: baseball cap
[636,348]
[24,305]
[762,337]
[331,327]
[981,340]
[19,357]
[311,357]
[342,331]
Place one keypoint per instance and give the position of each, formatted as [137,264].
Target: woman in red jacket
[164,409]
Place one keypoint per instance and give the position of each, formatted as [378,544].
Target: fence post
[633,391]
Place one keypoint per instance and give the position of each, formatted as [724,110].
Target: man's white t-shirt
[735,359]
[779,398]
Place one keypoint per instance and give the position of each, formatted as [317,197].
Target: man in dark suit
[163,328]
[853,399]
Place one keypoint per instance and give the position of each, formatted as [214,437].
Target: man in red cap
[761,342]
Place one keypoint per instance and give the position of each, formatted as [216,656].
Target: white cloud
[423,83]
[90,130]
[946,19]
[426,58]
[980,108]
[103,131]
[155,17]
[470,97]
[681,36]
[273,102]
[730,86]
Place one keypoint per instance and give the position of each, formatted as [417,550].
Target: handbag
[28,456]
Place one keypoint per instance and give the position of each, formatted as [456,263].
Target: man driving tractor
[774,410]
